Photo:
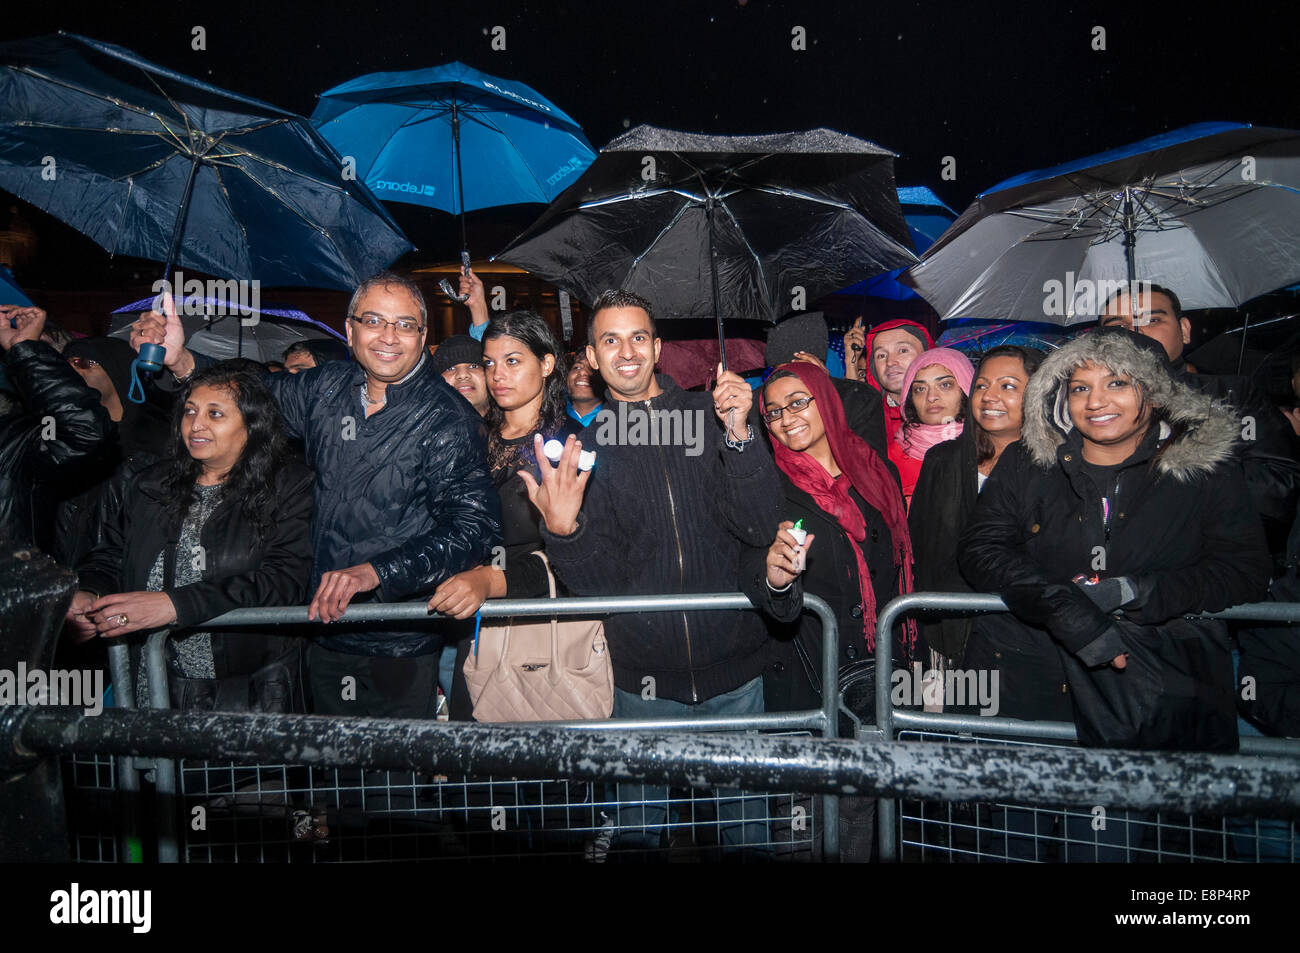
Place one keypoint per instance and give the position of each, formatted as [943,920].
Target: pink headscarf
[916,439]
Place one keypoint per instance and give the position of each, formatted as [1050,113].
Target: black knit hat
[457,349]
[804,332]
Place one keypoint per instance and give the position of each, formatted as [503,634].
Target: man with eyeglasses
[403,496]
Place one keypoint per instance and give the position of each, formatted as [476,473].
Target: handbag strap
[552,674]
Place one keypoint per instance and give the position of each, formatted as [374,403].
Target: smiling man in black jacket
[671,503]
[403,497]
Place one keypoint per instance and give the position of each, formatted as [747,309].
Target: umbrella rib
[636,196]
[105,97]
[796,195]
[655,241]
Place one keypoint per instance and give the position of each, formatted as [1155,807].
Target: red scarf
[865,472]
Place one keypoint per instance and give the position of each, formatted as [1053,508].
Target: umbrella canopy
[722,226]
[10,293]
[453,138]
[927,218]
[151,163]
[1211,211]
[975,337]
[211,329]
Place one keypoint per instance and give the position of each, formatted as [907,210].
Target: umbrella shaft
[178,230]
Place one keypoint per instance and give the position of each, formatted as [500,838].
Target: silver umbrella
[1211,211]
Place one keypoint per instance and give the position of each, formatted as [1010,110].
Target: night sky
[1001,88]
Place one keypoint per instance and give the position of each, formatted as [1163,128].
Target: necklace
[365,395]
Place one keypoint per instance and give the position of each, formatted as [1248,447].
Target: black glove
[1110,594]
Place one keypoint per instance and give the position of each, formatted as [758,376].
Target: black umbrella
[722,226]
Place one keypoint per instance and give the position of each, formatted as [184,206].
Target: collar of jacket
[670,390]
[395,389]
[1210,427]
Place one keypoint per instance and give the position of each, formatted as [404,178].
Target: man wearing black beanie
[459,360]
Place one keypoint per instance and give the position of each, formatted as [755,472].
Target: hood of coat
[1209,427]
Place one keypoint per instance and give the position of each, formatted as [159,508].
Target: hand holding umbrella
[732,399]
[164,328]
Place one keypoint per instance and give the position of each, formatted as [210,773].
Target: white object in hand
[799,534]
[586,459]
[553,450]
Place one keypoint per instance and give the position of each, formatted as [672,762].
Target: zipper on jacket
[681,568]
[1108,503]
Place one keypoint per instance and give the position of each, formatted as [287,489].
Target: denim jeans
[643,808]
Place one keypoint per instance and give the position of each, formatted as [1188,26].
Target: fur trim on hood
[1211,426]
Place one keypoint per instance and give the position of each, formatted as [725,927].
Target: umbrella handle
[446,287]
[150,359]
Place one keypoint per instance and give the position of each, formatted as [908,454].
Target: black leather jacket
[406,490]
[60,423]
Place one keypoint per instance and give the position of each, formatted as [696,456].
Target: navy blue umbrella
[152,163]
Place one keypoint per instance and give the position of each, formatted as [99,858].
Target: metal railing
[823,721]
[890,720]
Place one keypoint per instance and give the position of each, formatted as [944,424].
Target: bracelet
[772,589]
[182,380]
[740,445]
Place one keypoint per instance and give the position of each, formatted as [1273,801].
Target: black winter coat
[1182,525]
[1268,451]
[406,489]
[942,506]
[60,424]
[793,679]
[659,520]
[241,572]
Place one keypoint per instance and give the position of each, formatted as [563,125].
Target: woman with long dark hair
[936,403]
[951,478]
[223,523]
[857,555]
[526,371]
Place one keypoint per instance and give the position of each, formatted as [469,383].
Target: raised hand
[164,328]
[855,343]
[785,557]
[732,398]
[559,497]
[20,323]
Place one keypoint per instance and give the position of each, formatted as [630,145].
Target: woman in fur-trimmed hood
[1121,510]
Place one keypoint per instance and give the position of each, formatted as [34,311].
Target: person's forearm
[478,312]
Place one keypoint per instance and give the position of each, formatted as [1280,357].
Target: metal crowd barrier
[823,721]
[892,723]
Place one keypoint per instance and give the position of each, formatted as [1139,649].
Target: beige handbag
[541,671]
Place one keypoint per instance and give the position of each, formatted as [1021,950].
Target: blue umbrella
[151,163]
[10,293]
[452,138]
[927,218]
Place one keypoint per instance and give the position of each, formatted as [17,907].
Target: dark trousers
[374,687]
[380,688]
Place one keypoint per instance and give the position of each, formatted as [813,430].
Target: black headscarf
[143,427]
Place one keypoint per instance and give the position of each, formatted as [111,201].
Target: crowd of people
[1106,491]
